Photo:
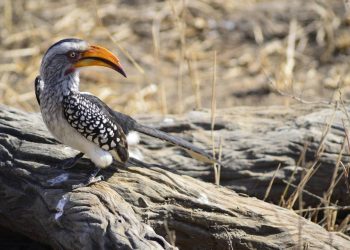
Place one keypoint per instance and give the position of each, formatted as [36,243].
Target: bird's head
[66,56]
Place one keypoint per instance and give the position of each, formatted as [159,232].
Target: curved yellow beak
[99,56]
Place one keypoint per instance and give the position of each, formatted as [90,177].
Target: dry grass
[267,52]
[326,213]
[166,48]
[132,30]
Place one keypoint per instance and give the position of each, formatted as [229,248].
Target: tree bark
[135,207]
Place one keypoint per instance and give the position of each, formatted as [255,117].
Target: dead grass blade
[301,159]
[271,182]
[213,110]
[293,197]
[156,49]
[193,70]
[335,178]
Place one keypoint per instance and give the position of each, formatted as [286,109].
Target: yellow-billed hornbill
[81,120]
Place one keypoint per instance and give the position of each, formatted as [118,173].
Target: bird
[81,120]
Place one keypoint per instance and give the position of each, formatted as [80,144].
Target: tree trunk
[135,207]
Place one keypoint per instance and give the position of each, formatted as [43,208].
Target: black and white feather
[38,85]
[95,124]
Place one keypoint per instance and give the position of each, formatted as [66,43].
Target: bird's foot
[91,180]
[71,162]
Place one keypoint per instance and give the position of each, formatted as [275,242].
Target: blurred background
[174,51]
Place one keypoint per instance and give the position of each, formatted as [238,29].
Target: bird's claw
[92,179]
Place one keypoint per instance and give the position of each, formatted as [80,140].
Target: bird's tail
[194,151]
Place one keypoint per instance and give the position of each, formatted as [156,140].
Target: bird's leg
[69,163]
[92,179]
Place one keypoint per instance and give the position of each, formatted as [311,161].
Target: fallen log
[255,141]
[135,207]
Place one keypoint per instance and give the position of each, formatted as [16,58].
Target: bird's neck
[62,87]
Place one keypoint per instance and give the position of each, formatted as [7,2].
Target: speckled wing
[93,122]
[128,124]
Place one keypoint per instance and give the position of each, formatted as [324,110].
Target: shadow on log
[138,208]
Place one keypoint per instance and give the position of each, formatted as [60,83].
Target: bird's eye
[72,54]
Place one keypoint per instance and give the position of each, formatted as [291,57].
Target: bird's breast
[52,113]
